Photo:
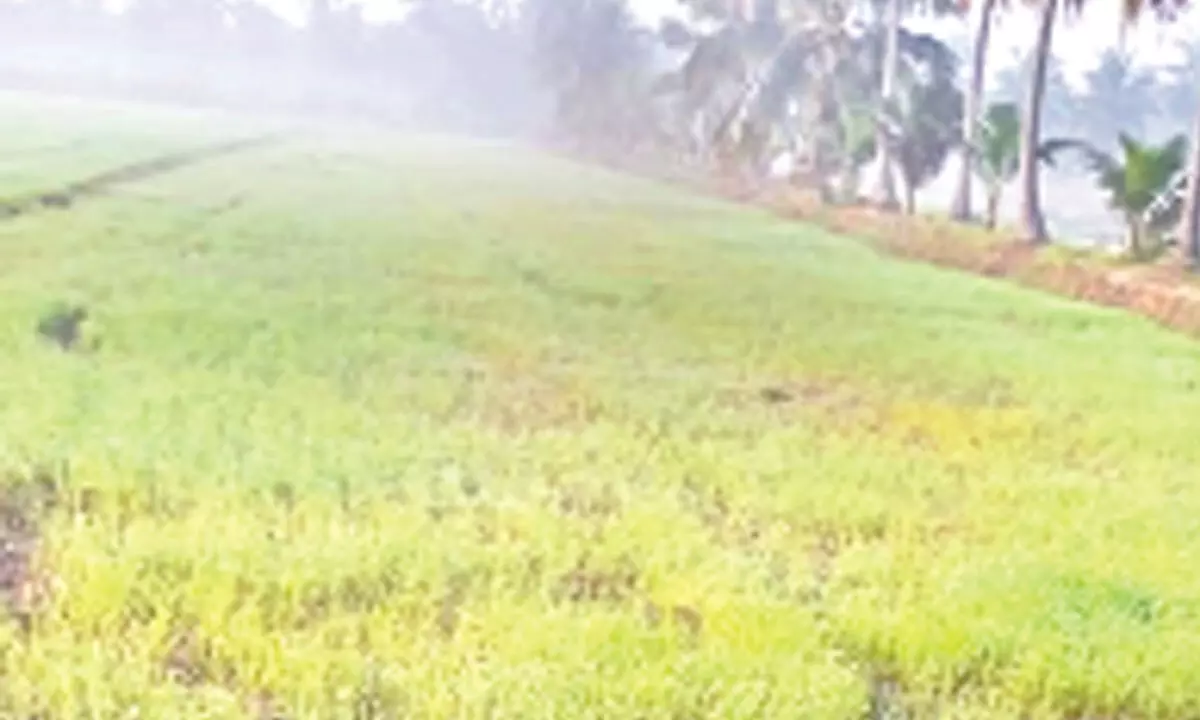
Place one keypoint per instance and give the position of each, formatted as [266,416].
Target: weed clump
[64,327]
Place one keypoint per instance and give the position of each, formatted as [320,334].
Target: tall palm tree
[893,12]
[805,88]
[1189,232]
[750,78]
[591,55]
[1032,219]
[961,210]
[926,112]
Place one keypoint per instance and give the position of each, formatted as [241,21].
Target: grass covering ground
[424,428]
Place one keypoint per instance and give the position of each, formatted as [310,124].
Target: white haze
[446,75]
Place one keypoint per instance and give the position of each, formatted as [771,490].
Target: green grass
[388,427]
[45,143]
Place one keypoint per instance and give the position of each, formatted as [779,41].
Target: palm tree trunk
[961,210]
[1189,237]
[1133,236]
[848,183]
[993,207]
[886,189]
[1033,222]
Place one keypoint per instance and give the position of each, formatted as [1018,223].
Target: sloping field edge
[1166,294]
[1162,293]
[68,194]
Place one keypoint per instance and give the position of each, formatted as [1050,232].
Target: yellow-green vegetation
[44,142]
[421,428]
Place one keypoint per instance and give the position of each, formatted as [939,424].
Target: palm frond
[1097,160]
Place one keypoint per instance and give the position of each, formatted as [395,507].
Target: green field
[387,427]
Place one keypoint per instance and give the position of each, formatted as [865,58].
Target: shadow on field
[64,327]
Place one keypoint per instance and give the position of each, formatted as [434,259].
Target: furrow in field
[67,194]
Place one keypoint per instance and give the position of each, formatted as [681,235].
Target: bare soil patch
[25,587]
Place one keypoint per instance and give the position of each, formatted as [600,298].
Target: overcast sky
[1078,42]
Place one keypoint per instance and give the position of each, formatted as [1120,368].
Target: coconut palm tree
[750,87]
[926,116]
[961,209]
[893,16]
[854,140]
[886,192]
[1032,219]
[591,55]
[804,83]
[725,70]
[1135,182]
[997,154]
[1189,231]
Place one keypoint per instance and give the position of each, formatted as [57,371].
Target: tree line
[839,93]
[447,64]
[843,88]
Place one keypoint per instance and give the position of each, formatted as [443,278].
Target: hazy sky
[1078,42]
